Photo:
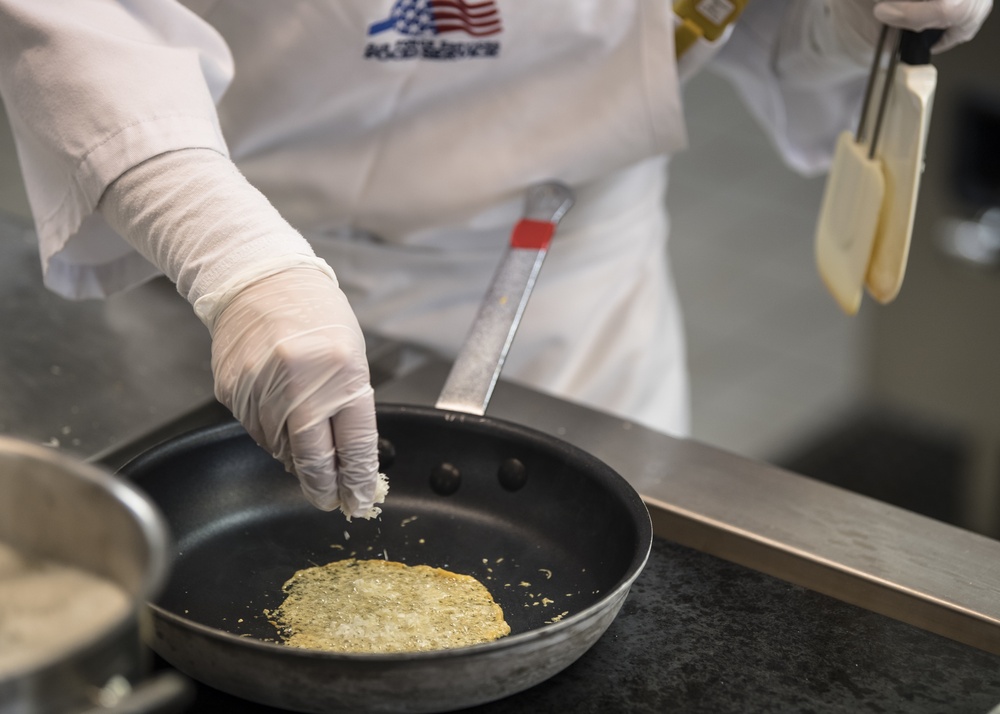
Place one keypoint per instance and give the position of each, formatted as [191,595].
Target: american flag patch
[422,18]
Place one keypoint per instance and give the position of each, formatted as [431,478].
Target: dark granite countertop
[699,634]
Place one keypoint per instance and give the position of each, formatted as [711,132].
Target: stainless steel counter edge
[919,605]
[856,549]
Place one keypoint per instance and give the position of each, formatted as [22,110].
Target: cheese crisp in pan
[379,606]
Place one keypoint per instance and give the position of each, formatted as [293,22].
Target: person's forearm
[193,215]
[287,352]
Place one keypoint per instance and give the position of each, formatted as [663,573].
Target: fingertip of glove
[324,502]
[325,496]
[368,509]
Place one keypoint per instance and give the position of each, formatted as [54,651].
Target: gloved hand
[287,351]
[289,361]
[960,19]
[858,22]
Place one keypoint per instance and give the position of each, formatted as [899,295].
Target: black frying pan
[556,535]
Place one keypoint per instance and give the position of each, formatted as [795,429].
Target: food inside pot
[47,608]
[380,606]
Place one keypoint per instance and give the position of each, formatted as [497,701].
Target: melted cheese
[379,606]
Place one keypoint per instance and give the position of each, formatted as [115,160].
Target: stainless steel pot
[57,508]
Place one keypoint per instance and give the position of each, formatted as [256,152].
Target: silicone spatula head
[848,221]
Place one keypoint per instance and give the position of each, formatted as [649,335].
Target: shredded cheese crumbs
[381,491]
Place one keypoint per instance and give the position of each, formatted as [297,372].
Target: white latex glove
[289,361]
[960,19]
[858,22]
[287,352]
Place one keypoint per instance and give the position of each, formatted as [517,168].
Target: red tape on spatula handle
[476,369]
[532,234]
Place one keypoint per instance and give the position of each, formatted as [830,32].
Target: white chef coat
[403,154]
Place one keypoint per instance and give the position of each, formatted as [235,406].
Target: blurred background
[901,402]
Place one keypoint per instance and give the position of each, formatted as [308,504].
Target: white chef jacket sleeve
[801,86]
[93,88]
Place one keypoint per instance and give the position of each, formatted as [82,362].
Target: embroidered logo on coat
[421,22]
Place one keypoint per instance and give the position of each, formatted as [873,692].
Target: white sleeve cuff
[194,215]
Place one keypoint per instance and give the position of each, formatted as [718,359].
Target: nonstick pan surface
[556,535]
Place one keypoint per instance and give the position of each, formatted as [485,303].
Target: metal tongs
[887,83]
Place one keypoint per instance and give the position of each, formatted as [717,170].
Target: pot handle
[165,693]
[477,368]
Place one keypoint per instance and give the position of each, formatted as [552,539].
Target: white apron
[423,163]
[410,184]
[403,156]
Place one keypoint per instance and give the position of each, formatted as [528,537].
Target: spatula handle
[477,368]
[915,47]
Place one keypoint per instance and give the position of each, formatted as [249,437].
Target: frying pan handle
[477,368]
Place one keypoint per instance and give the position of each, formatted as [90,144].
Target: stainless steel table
[90,376]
